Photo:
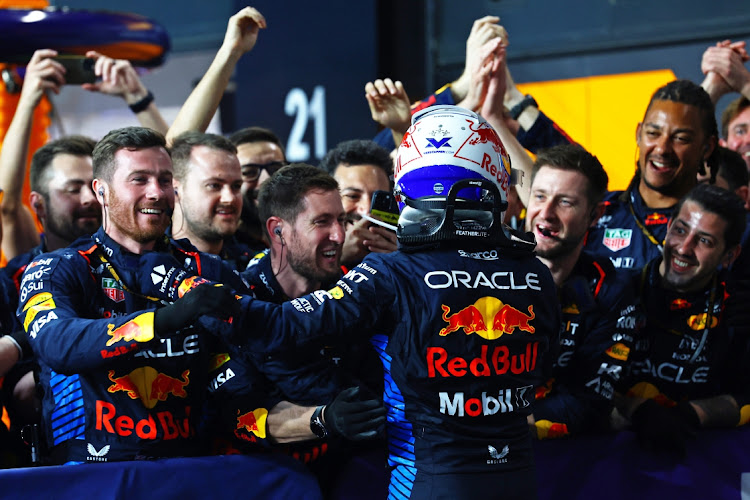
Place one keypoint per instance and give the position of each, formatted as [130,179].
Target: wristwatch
[516,110]
[316,423]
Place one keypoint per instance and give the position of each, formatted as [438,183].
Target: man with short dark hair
[567,188]
[304,221]
[208,202]
[690,366]
[361,167]
[123,375]
[261,154]
[676,138]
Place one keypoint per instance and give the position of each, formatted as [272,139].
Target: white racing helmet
[451,177]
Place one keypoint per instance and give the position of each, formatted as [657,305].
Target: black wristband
[141,105]
[516,110]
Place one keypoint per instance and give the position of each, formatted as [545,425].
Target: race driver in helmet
[463,315]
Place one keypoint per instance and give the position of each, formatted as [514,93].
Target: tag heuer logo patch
[113,289]
[617,239]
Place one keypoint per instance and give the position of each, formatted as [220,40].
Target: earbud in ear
[175,192]
[101,191]
[277,231]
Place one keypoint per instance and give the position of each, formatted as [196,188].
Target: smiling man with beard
[304,219]
[677,136]
[208,202]
[61,195]
[689,369]
[123,374]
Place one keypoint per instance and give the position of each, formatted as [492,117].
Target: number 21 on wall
[297,105]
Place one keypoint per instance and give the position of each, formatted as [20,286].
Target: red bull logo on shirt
[149,385]
[500,362]
[140,329]
[489,318]
[165,426]
[252,422]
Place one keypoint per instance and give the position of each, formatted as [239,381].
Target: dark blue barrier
[224,477]
[616,467]
[605,466]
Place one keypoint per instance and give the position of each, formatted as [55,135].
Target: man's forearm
[203,102]
[719,411]
[18,222]
[288,423]
[9,354]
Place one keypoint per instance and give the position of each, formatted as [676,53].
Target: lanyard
[100,255]
[643,228]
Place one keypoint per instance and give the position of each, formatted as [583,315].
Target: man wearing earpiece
[462,315]
[677,136]
[304,223]
[689,369]
[124,376]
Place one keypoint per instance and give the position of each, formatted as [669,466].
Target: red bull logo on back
[473,319]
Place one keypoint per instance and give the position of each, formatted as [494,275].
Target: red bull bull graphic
[483,133]
[505,319]
[543,390]
[149,386]
[546,429]
[165,426]
[190,283]
[252,422]
[500,362]
[656,219]
[140,329]
[678,304]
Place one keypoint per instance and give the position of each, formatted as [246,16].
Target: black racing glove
[353,419]
[667,429]
[212,300]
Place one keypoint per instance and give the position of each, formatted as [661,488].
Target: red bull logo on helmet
[252,422]
[140,329]
[149,385]
[489,318]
